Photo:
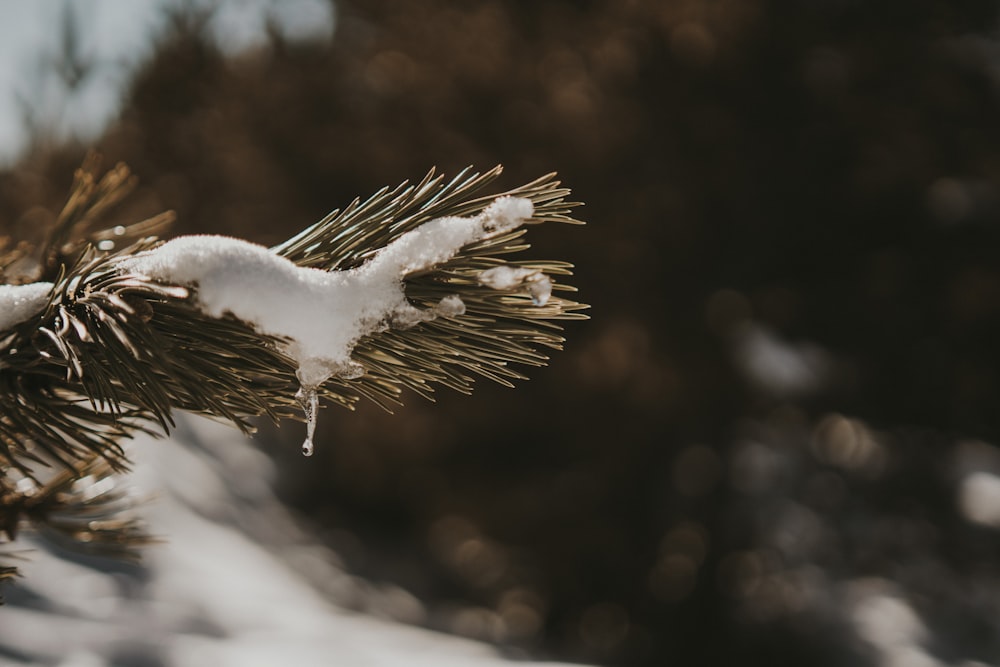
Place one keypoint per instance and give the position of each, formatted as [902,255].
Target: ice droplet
[309,400]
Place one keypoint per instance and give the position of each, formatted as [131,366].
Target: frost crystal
[19,303]
[325,313]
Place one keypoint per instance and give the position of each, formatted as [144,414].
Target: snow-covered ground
[235,582]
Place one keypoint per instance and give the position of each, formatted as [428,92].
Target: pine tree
[93,350]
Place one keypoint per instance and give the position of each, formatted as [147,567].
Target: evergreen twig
[113,353]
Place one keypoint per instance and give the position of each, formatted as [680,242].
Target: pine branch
[83,508]
[95,365]
[112,351]
[497,328]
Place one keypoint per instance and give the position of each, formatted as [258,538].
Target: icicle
[312,373]
[308,398]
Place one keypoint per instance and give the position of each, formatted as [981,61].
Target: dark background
[792,261]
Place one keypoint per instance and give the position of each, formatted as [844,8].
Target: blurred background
[775,442]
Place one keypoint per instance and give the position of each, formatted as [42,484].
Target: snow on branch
[111,330]
[322,314]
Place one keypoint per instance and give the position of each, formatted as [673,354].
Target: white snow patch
[20,302]
[537,284]
[323,313]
